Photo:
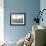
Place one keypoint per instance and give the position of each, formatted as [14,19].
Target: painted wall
[43,6]
[30,7]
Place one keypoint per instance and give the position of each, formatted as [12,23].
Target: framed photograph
[17,19]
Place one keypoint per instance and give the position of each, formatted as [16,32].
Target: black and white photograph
[17,19]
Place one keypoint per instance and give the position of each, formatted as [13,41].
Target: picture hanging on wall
[17,19]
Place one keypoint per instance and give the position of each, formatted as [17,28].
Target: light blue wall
[43,6]
[30,7]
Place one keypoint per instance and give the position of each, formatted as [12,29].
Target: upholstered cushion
[20,42]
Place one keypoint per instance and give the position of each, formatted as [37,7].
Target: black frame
[18,24]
